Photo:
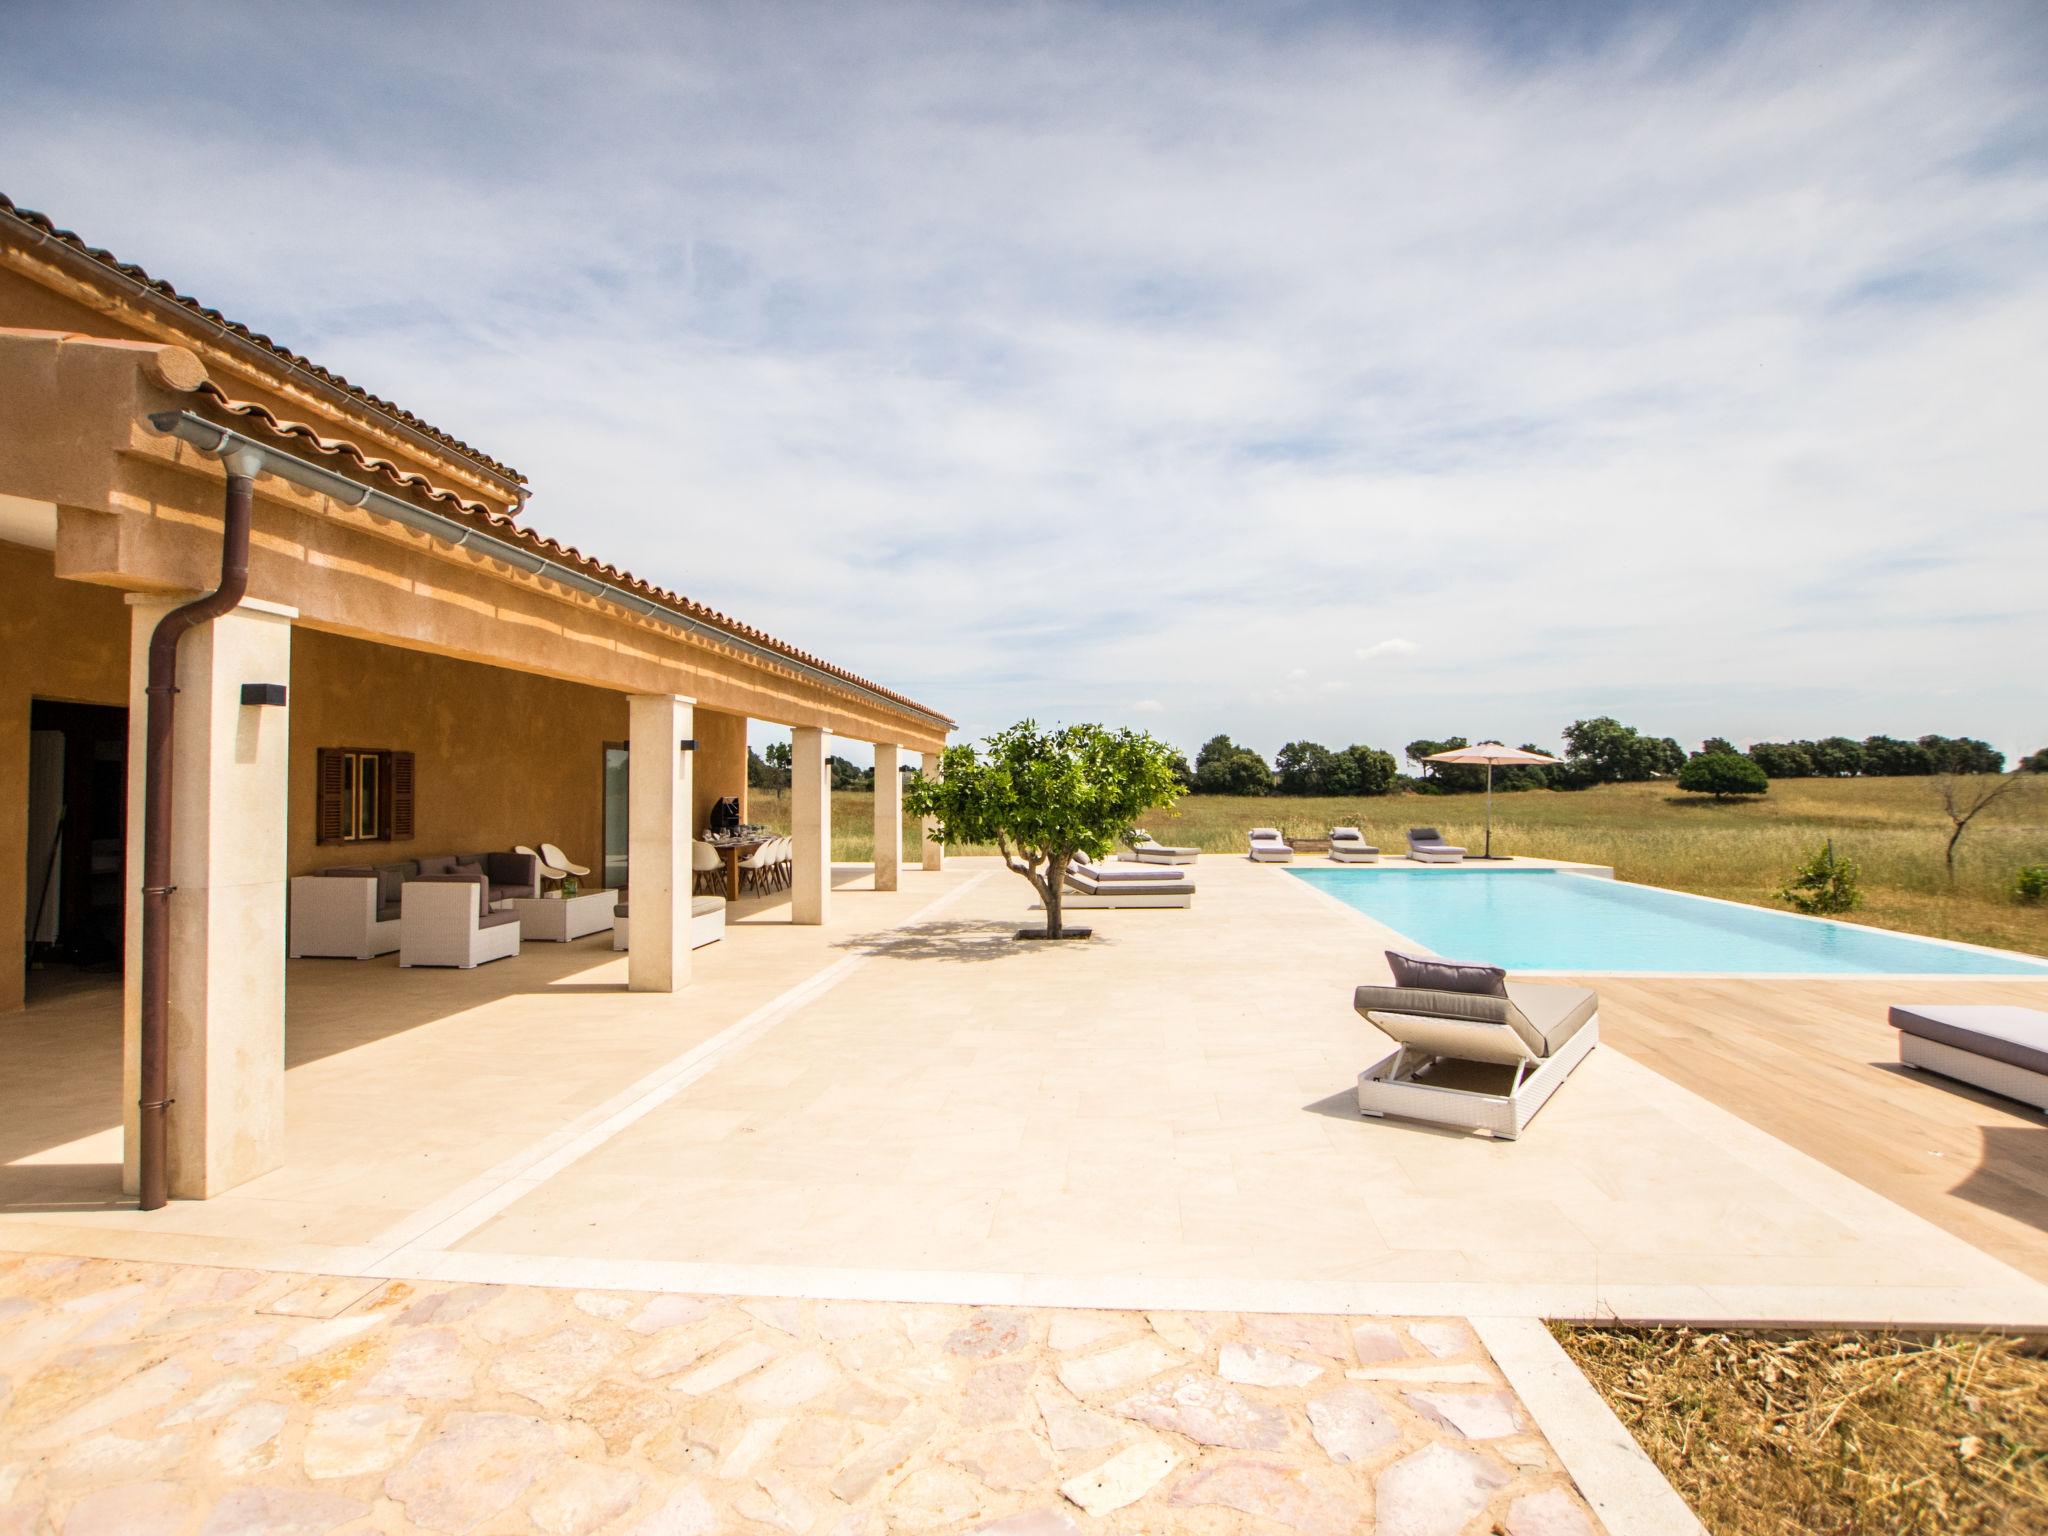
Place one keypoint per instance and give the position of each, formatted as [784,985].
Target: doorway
[77,837]
[617,828]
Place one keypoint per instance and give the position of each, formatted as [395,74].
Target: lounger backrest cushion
[1266,834]
[1346,835]
[1447,975]
[1424,835]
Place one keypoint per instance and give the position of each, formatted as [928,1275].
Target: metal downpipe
[243,465]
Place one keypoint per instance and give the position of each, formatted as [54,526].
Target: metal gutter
[266,358]
[211,437]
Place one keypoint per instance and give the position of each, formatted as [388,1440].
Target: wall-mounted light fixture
[263,693]
[689,743]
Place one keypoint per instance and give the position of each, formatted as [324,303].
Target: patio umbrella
[1489,753]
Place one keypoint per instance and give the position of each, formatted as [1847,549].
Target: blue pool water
[1541,920]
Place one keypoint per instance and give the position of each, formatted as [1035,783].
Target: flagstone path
[141,1399]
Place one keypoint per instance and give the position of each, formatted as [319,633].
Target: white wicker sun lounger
[1478,1061]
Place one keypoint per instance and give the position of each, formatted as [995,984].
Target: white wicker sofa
[2000,1047]
[448,921]
[1471,1048]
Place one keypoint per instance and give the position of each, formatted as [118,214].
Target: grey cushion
[390,912]
[1447,975]
[1996,1031]
[437,863]
[1554,1013]
[391,880]
[496,919]
[1424,835]
[472,867]
[620,911]
[1545,1016]
[355,871]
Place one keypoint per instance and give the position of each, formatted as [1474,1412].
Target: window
[365,795]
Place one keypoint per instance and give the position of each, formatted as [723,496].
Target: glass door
[615,823]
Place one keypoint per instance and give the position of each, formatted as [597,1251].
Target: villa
[409,670]
[390,1089]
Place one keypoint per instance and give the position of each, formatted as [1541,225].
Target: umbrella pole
[1489,810]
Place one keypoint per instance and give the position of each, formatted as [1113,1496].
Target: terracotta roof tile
[136,274]
[476,513]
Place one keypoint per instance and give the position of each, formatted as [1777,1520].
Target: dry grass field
[1834,1434]
[1743,851]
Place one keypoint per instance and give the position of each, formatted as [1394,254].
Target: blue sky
[1356,374]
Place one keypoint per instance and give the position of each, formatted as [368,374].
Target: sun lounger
[1269,847]
[1426,845]
[1471,1048]
[1153,888]
[2000,1047]
[1348,846]
[1082,864]
[1146,851]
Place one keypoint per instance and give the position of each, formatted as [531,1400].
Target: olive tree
[1041,797]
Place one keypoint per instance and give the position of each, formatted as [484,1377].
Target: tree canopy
[1043,796]
[1723,775]
[1222,767]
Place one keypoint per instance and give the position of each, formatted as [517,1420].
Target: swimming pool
[1544,920]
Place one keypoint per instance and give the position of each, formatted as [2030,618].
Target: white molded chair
[707,868]
[558,864]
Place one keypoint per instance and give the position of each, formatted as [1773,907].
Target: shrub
[2031,884]
[1723,775]
[1825,884]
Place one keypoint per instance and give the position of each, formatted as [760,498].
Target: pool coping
[2037,965]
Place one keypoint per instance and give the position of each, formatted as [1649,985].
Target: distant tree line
[772,770]
[1597,751]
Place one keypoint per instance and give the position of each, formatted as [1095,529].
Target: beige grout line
[1621,1483]
[455,1216]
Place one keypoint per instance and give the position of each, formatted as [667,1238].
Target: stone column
[934,853]
[810,816]
[658,811]
[229,786]
[888,816]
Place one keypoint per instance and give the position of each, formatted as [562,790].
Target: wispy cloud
[1039,359]
[1379,650]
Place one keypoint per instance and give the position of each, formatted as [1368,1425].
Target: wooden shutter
[398,794]
[327,802]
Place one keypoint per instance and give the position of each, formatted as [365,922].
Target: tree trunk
[1954,838]
[1055,892]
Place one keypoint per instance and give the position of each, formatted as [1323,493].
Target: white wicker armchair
[337,915]
[447,923]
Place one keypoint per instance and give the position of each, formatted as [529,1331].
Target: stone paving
[142,1399]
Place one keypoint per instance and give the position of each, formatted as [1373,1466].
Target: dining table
[732,850]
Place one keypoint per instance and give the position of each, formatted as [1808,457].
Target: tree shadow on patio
[960,940]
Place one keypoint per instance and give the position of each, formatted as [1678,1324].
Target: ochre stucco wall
[721,766]
[501,757]
[58,640]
